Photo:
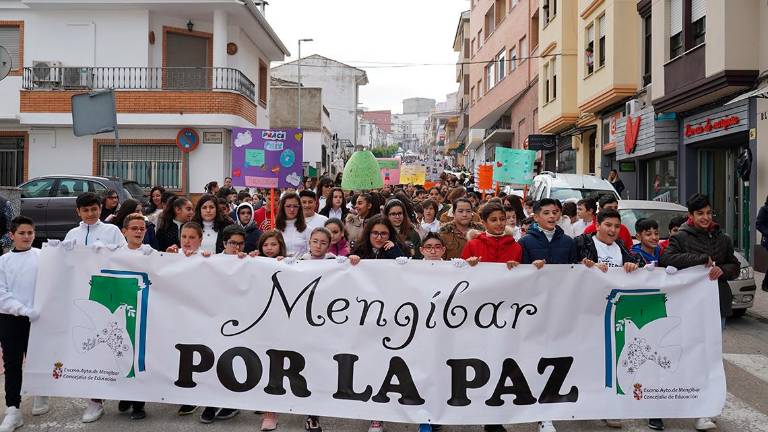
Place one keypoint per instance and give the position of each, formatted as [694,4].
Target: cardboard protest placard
[390,170]
[267,158]
[514,166]
[413,174]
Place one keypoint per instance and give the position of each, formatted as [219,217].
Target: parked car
[570,187]
[743,288]
[50,200]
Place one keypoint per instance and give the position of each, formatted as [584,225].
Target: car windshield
[133,188]
[563,194]
[630,216]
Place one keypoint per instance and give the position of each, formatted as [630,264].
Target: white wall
[58,151]
[84,38]
[9,97]
[313,152]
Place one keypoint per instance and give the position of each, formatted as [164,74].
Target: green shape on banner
[254,157]
[113,292]
[640,309]
[514,166]
[362,172]
[388,163]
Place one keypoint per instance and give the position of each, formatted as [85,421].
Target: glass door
[718,180]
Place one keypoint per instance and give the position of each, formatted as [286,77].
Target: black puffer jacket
[692,246]
[585,248]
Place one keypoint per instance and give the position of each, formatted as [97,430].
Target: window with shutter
[698,22]
[698,9]
[601,42]
[675,17]
[675,28]
[10,39]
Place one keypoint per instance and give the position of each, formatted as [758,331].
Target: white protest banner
[418,342]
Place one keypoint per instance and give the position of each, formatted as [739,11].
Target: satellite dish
[5,63]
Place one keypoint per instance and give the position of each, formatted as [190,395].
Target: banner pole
[272,207]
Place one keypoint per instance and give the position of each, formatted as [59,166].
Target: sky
[371,32]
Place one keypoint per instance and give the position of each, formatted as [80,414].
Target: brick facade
[170,102]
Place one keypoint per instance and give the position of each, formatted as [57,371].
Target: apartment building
[705,53]
[461,45]
[196,64]
[504,39]
[341,89]
[668,92]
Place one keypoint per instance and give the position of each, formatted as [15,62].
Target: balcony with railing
[139,78]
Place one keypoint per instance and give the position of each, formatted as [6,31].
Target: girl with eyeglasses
[396,212]
[379,241]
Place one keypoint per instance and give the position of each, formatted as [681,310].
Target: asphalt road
[746,366]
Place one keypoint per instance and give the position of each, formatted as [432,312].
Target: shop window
[147,164]
[662,179]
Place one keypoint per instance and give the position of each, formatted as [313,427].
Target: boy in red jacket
[497,243]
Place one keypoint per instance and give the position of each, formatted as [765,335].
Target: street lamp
[298,97]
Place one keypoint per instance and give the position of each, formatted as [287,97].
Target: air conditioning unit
[46,73]
[632,107]
[76,77]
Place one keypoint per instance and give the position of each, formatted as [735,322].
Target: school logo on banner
[115,337]
[642,346]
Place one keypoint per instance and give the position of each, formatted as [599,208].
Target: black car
[50,200]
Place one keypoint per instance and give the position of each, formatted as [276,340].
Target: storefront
[563,158]
[646,154]
[712,141]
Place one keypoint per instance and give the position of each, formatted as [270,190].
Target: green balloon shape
[362,172]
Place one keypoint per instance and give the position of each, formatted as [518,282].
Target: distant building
[315,119]
[340,84]
[410,127]
[382,119]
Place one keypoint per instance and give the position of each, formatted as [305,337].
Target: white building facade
[173,65]
[340,84]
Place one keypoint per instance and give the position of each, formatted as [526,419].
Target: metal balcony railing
[138,78]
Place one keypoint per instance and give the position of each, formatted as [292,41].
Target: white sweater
[209,237]
[296,243]
[18,274]
[86,234]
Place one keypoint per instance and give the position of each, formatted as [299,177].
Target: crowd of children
[325,222]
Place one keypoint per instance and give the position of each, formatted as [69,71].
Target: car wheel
[738,313]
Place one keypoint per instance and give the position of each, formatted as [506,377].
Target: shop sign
[709,125]
[542,142]
[633,131]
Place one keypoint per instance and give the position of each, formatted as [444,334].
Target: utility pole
[298,92]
